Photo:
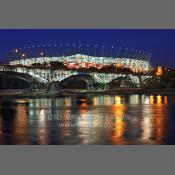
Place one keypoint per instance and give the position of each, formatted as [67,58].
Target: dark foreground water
[88,119]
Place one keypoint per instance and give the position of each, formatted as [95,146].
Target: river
[88,119]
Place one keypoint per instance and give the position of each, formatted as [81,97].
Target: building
[85,61]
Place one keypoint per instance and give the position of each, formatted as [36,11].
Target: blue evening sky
[160,43]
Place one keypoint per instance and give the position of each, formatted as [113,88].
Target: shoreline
[18,93]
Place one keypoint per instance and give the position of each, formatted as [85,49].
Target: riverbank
[24,93]
[19,93]
[134,91]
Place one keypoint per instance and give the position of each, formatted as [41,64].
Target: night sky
[160,43]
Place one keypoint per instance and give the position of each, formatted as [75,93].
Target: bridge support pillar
[54,87]
[33,86]
[141,82]
[106,86]
[90,86]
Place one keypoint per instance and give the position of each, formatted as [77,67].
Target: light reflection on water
[99,119]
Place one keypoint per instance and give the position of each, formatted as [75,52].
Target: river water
[88,119]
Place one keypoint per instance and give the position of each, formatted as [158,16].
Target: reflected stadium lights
[151,99]
[159,99]
[118,100]
[165,99]
[146,100]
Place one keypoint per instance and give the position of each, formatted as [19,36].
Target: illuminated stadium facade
[78,61]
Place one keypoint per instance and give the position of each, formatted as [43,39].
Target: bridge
[43,78]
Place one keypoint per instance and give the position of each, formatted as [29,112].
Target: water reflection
[146,123]
[88,119]
[21,122]
[120,122]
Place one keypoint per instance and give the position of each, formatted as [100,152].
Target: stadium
[138,62]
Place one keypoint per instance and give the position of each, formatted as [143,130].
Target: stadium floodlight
[95,50]
[23,55]
[88,51]
[132,53]
[119,50]
[125,54]
[79,50]
[112,51]
[103,51]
